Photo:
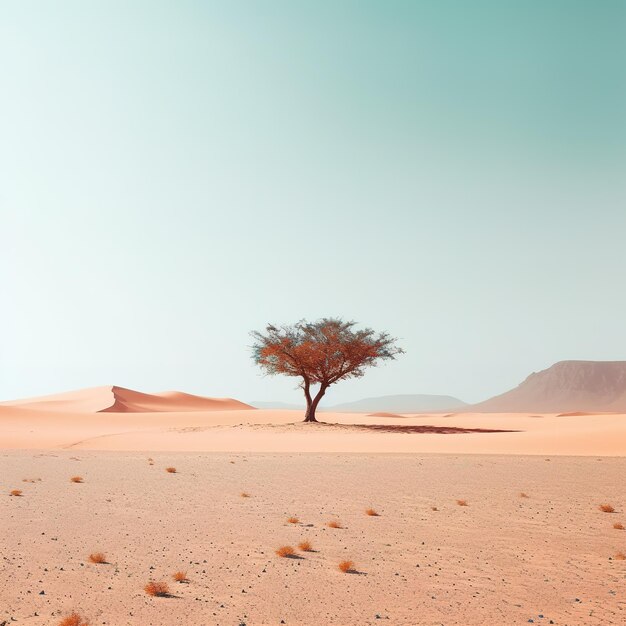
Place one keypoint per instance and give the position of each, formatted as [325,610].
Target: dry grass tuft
[97,557]
[305,546]
[607,508]
[334,524]
[346,566]
[16,492]
[618,526]
[244,494]
[160,590]
[524,495]
[620,556]
[76,479]
[285,551]
[462,502]
[180,577]
[293,520]
[74,619]
[170,470]
[371,512]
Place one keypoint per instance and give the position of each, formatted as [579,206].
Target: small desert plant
[334,524]
[618,526]
[244,494]
[462,502]
[16,492]
[523,495]
[607,508]
[620,556]
[434,508]
[371,512]
[293,520]
[170,470]
[97,557]
[346,566]
[76,479]
[160,590]
[305,546]
[180,577]
[285,551]
[74,619]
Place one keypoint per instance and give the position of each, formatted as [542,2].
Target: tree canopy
[321,353]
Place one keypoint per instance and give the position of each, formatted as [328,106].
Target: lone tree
[321,353]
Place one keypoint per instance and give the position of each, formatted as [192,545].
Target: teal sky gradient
[175,174]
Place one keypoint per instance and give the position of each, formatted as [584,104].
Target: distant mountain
[409,403]
[565,386]
[277,405]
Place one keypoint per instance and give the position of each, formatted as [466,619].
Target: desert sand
[549,555]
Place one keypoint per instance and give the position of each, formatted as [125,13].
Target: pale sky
[176,174]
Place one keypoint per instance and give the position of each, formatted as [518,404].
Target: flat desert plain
[481,519]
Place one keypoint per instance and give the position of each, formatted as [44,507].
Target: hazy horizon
[177,175]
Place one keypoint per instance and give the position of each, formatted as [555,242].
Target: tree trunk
[311,403]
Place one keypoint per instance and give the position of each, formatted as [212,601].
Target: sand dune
[115,399]
[550,554]
[283,431]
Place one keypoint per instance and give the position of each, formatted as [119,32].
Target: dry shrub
[371,512]
[620,556]
[74,619]
[607,508]
[618,526]
[76,479]
[524,495]
[334,524]
[98,557]
[180,577]
[346,566]
[434,508]
[285,551]
[462,502]
[16,492]
[160,590]
[244,494]
[293,520]
[305,546]
[170,470]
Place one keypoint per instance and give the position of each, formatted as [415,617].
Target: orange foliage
[74,619]
[285,551]
[157,589]
[346,566]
